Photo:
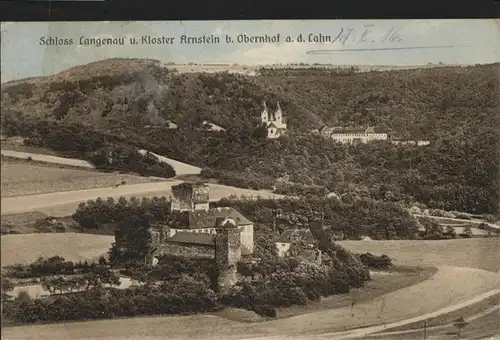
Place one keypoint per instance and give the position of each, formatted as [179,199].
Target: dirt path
[179,167]
[471,221]
[48,159]
[65,203]
[486,318]
[450,286]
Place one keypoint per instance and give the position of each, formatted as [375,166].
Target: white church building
[275,124]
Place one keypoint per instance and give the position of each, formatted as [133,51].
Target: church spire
[265,113]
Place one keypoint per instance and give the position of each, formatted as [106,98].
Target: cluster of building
[223,232]
[364,135]
[353,135]
[276,127]
[274,121]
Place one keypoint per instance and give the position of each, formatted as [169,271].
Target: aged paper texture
[326,179]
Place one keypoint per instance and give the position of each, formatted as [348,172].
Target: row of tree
[183,296]
[55,265]
[95,213]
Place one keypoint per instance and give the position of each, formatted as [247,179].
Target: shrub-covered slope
[120,100]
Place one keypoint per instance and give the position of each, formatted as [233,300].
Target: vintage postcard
[305,179]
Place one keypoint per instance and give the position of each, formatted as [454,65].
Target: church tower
[227,253]
[278,114]
[265,113]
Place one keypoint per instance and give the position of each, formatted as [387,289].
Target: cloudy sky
[407,42]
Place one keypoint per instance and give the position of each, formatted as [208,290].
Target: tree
[100,276]
[460,324]
[450,232]
[133,239]
[7,286]
[297,248]
[49,284]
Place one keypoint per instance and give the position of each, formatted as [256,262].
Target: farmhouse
[212,126]
[290,236]
[275,123]
[352,135]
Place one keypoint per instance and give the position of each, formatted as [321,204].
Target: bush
[489,218]
[265,310]
[124,158]
[376,262]
[463,216]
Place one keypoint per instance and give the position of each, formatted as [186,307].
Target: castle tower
[227,253]
[265,113]
[190,197]
[278,115]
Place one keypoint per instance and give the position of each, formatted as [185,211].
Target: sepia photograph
[264,179]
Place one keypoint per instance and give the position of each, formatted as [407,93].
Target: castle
[275,124]
[221,232]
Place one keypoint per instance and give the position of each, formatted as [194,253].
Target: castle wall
[185,250]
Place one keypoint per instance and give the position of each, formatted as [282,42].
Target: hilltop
[416,102]
[129,101]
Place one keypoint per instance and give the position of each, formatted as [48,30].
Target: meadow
[22,178]
[482,253]
[26,248]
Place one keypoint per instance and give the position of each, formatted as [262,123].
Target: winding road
[64,203]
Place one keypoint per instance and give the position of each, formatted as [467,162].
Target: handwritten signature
[365,36]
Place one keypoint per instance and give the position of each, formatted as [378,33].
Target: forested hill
[114,103]
[421,103]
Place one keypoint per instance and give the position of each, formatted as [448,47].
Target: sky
[388,42]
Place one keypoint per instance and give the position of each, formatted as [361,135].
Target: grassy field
[480,253]
[22,178]
[381,283]
[27,248]
[16,144]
